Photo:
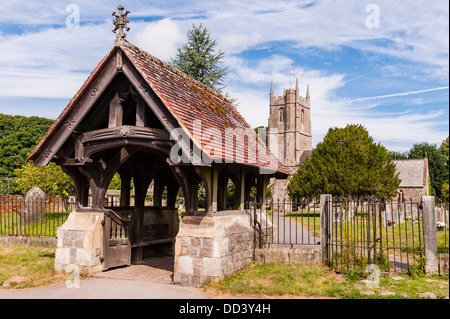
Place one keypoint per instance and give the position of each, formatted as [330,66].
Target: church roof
[412,172]
[187,100]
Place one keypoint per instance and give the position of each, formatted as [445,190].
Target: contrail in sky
[399,94]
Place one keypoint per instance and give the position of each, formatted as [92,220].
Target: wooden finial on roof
[121,23]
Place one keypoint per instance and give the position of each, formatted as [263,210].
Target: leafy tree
[444,149]
[18,136]
[199,59]
[445,187]
[51,179]
[262,132]
[115,182]
[399,155]
[436,164]
[444,191]
[347,163]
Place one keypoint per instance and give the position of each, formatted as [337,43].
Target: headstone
[34,206]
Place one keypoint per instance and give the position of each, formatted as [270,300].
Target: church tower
[290,126]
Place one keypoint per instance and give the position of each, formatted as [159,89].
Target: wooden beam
[115,112]
[140,111]
[72,119]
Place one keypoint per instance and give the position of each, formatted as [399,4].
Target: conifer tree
[198,58]
[347,163]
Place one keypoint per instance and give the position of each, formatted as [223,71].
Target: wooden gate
[116,241]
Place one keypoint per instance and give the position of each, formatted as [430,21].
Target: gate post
[325,225]
[429,236]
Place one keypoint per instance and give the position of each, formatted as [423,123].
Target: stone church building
[415,179]
[289,134]
[289,137]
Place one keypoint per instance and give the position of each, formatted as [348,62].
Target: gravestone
[33,207]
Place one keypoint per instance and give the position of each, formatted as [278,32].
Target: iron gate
[285,223]
[367,233]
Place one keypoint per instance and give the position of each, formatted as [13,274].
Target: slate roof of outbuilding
[412,172]
[187,100]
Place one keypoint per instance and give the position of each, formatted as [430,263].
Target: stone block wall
[414,193]
[211,246]
[80,242]
[28,241]
[297,255]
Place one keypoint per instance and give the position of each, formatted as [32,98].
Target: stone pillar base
[80,243]
[211,246]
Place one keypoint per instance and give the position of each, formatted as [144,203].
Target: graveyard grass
[35,263]
[10,224]
[273,280]
[276,280]
[404,234]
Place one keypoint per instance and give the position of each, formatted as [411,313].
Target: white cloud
[40,83]
[400,94]
[58,49]
[54,62]
[160,38]
[415,31]
[395,129]
[51,63]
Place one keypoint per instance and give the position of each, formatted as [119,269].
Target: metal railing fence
[20,217]
[287,223]
[360,232]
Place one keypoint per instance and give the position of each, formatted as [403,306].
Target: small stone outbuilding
[415,179]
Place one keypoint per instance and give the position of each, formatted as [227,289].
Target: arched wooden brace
[165,178]
[101,171]
[143,167]
[250,181]
[125,185]
[81,184]
[188,180]
[223,176]
[205,174]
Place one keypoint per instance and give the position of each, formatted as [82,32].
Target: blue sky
[382,64]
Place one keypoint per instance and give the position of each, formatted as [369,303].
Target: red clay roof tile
[188,100]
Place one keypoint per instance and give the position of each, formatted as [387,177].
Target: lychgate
[145,120]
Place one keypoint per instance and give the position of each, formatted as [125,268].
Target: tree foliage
[51,179]
[436,164]
[199,59]
[445,187]
[399,155]
[346,163]
[18,136]
[444,149]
